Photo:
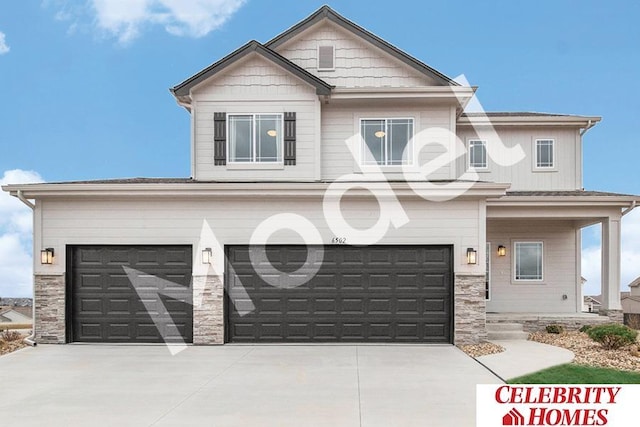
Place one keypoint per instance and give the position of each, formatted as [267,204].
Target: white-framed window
[528,261]
[255,138]
[326,58]
[487,283]
[387,142]
[478,154]
[545,153]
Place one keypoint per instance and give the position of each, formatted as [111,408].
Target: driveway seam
[177,405]
[359,398]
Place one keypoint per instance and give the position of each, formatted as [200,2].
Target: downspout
[31,338]
[630,208]
[590,124]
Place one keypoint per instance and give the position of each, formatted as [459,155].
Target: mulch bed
[483,349]
[8,347]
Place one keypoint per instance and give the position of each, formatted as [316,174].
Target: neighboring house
[330,136]
[631,300]
[592,303]
[15,315]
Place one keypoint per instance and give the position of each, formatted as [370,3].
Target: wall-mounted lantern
[502,251]
[206,256]
[472,256]
[46,256]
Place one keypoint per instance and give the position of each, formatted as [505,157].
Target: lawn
[577,374]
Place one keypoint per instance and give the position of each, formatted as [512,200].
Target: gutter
[630,208]
[590,124]
[31,338]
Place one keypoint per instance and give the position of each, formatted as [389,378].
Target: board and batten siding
[559,267]
[357,62]
[567,175]
[340,124]
[255,85]
[164,221]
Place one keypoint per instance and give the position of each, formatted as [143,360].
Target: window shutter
[219,139]
[289,138]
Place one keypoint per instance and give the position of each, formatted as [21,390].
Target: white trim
[488,277]
[232,164]
[486,155]
[411,161]
[515,260]
[554,162]
[333,59]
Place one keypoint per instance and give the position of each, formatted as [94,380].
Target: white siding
[255,85]
[559,239]
[340,124]
[357,62]
[567,175]
[233,221]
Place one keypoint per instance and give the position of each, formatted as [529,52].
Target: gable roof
[182,89]
[635,283]
[325,12]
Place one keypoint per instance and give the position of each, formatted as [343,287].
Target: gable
[360,54]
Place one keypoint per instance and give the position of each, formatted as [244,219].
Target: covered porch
[534,245]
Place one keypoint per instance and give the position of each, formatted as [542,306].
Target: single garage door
[104,305]
[350,294]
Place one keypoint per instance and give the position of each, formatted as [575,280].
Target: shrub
[555,329]
[11,336]
[612,336]
[585,328]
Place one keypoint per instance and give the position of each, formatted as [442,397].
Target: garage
[129,294]
[339,294]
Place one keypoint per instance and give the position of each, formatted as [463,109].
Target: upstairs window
[528,261]
[478,154]
[255,138]
[386,142]
[326,58]
[545,156]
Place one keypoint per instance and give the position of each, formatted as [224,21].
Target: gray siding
[559,238]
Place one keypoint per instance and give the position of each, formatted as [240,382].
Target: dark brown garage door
[130,294]
[351,294]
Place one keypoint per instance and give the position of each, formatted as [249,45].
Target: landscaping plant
[612,336]
[555,329]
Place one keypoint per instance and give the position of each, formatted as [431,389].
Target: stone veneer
[469,309]
[49,299]
[616,316]
[208,310]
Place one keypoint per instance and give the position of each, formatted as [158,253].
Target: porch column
[611,268]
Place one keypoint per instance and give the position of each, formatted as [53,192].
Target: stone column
[470,314]
[208,310]
[49,300]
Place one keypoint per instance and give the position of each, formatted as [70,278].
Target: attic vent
[326,58]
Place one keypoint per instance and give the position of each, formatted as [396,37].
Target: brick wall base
[49,299]
[470,310]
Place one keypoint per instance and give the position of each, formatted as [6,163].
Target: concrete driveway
[238,385]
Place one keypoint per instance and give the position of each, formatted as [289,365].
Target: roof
[592,298]
[517,114]
[325,12]
[183,89]
[635,283]
[573,193]
[25,311]
[524,118]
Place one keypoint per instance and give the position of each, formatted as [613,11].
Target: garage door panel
[105,306]
[380,293]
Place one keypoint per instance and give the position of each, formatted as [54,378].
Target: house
[591,303]
[339,192]
[631,300]
[20,315]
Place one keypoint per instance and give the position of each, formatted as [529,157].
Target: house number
[339,240]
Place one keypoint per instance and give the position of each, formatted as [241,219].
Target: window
[326,58]
[528,261]
[544,154]
[478,154]
[386,142]
[255,138]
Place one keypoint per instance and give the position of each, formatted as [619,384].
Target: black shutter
[219,139]
[289,138]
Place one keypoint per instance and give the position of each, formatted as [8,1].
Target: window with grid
[478,154]
[528,261]
[544,153]
[387,142]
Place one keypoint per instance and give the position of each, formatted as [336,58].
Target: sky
[85,85]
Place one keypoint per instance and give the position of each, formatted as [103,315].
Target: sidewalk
[523,357]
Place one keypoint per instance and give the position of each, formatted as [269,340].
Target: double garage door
[273,294]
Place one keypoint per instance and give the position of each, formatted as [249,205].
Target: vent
[326,58]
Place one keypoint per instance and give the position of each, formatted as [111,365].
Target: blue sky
[85,83]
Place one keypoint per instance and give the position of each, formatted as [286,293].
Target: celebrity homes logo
[556,405]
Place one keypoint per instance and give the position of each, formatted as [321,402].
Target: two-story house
[339,192]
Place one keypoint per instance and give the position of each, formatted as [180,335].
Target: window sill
[255,166]
[479,170]
[528,282]
[545,170]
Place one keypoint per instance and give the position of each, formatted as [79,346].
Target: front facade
[339,192]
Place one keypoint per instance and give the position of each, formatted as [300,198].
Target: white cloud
[16,266]
[4,48]
[630,256]
[125,20]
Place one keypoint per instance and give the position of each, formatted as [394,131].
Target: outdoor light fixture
[502,251]
[46,256]
[472,256]
[380,134]
[272,132]
[206,256]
